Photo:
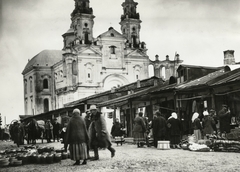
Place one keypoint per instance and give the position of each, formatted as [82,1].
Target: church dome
[44,58]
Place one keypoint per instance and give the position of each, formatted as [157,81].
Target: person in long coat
[224,119]
[49,131]
[174,126]
[197,127]
[56,130]
[159,128]
[77,138]
[208,124]
[139,130]
[116,130]
[98,134]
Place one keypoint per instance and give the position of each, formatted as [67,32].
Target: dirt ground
[130,158]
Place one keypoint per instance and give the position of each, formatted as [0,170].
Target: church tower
[81,29]
[130,23]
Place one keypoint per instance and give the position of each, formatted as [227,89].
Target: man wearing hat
[56,130]
[98,134]
[224,119]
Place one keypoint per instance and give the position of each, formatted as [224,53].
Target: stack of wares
[4,162]
[64,155]
[50,158]
[57,157]
[16,162]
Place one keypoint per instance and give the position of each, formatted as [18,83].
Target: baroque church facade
[86,65]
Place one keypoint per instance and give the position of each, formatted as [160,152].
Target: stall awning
[124,99]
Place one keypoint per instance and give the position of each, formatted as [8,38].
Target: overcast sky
[199,30]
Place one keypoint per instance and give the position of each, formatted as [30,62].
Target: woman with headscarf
[116,130]
[174,126]
[208,124]
[77,138]
[139,129]
[197,127]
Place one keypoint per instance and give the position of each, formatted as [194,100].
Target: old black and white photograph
[119,85]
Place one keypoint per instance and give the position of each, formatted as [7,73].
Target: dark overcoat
[98,134]
[76,132]
[159,127]
[174,126]
[224,120]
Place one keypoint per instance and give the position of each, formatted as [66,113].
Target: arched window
[163,72]
[74,68]
[46,105]
[112,49]
[25,86]
[89,74]
[31,84]
[45,84]
[137,72]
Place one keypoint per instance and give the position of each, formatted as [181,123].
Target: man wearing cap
[224,119]
[98,134]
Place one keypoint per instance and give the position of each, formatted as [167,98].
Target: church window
[31,84]
[61,73]
[84,4]
[74,68]
[89,74]
[55,75]
[112,34]
[46,105]
[26,104]
[45,84]
[25,86]
[112,49]
[137,72]
[133,29]
[163,72]
[85,24]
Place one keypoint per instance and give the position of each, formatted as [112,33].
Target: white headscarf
[173,115]
[205,113]
[76,112]
[195,116]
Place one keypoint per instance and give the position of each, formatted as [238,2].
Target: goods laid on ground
[163,145]
[214,143]
[31,155]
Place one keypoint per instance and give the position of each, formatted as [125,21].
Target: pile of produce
[226,145]
[31,155]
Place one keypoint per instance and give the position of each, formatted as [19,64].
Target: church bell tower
[130,23]
[82,22]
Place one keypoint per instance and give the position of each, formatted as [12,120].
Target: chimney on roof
[229,57]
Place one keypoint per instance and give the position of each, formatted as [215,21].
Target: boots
[77,162]
[112,151]
[96,156]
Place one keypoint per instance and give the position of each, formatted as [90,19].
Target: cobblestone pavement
[130,158]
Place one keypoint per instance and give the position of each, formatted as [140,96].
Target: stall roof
[203,81]
[127,97]
[227,77]
[128,87]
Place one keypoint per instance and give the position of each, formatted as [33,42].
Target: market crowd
[170,129]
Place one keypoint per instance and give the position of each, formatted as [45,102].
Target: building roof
[197,67]
[44,58]
[128,87]
[199,82]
